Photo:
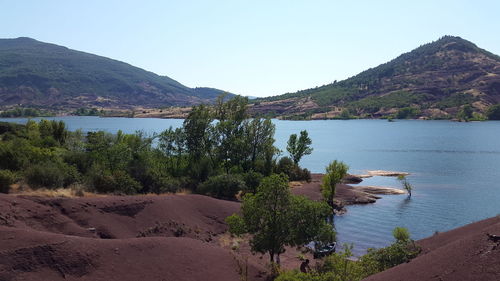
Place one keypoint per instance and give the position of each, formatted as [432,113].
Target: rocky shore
[346,194]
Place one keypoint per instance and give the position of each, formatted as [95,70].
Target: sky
[251,47]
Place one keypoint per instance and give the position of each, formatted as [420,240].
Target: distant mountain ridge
[436,79]
[33,73]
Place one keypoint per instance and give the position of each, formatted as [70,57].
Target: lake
[454,169]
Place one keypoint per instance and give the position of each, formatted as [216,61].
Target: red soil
[118,238]
[465,253]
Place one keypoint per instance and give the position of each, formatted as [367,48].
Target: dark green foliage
[46,174]
[7,178]
[407,113]
[46,68]
[23,112]
[82,111]
[434,75]
[116,182]
[456,100]
[341,267]
[465,113]
[218,151]
[299,147]
[286,166]
[224,186]
[252,181]
[276,218]
[494,112]
[335,172]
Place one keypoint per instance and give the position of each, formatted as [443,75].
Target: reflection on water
[454,169]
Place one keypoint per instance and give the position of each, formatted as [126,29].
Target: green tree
[493,112]
[335,172]
[260,140]
[465,113]
[276,218]
[298,147]
[401,234]
[406,184]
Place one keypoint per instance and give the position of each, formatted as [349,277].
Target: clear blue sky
[251,47]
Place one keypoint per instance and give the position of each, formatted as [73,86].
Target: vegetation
[47,69]
[465,113]
[406,184]
[82,111]
[276,218]
[218,151]
[438,76]
[335,172]
[493,112]
[299,147]
[341,267]
[24,112]
[7,178]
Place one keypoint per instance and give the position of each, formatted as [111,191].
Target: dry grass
[75,191]
[70,192]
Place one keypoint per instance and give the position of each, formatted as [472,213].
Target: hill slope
[461,254]
[34,73]
[437,79]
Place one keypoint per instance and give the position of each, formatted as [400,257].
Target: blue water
[454,169]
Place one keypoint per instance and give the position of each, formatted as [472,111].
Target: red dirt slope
[465,253]
[117,238]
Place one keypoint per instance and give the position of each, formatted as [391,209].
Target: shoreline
[346,194]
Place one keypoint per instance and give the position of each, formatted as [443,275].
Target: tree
[276,218]
[299,147]
[401,234]
[335,172]
[465,113]
[493,112]
[406,185]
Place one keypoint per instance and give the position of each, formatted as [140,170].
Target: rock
[386,173]
[379,190]
[352,179]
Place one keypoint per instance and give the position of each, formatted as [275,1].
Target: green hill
[435,80]
[34,73]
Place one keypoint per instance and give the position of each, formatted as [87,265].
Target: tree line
[218,151]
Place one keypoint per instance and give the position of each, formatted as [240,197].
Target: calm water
[454,169]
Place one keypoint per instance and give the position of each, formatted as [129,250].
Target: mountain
[436,80]
[34,73]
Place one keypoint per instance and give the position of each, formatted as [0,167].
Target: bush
[252,181]
[46,174]
[401,234]
[493,112]
[407,113]
[397,253]
[118,182]
[7,178]
[222,186]
[286,166]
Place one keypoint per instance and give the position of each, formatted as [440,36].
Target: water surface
[454,169]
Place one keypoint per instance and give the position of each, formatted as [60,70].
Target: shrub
[252,181]
[46,174]
[401,234]
[407,113]
[222,186]
[286,166]
[493,112]
[118,182]
[7,178]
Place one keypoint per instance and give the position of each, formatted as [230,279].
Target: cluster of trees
[276,218]
[23,112]
[340,266]
[218,151]
[82,111]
